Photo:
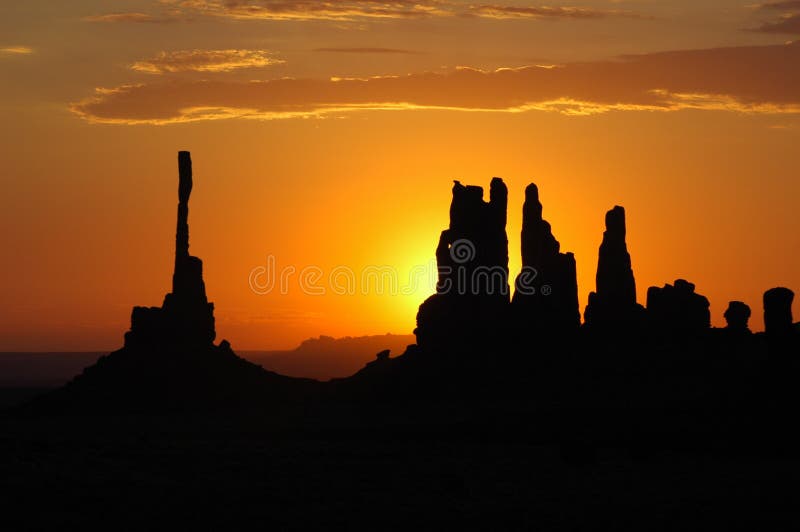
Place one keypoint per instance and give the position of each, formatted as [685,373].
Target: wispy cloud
[314,9]
[366,50]
[16,50]
[205,61]
[757,79]
[780,5]
[137,18]
[381,9]
[516,12]
[788,23]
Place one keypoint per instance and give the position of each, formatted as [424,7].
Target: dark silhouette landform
[508,413]
[321,358]
[169,360]
[475,344]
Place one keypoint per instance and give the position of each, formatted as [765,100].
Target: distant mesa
[326,358]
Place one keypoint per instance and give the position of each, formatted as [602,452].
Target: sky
[325,137]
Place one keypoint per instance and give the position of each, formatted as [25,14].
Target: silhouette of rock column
[736,316]
[182,257]
[677,310]
[444,263]
[546,290]
[614,303]
[778,312]
[472,257]
[186,317]
[478,240]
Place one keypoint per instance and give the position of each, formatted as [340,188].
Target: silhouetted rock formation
[472,259]
[614,302]
[478,242]
[625,388]
[546,290]
[778,312]
[186,317]
[736,316]
[677,310]
[382,362]
[172,378]
[169,361]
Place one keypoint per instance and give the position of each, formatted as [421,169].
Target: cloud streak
[364,50]
[758,79]
[314,9]
[204,61]
[781,5]
[16,50]
[137,18]
[544,12]
[381,9]
[788,22]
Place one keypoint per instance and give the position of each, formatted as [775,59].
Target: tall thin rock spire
[184,191]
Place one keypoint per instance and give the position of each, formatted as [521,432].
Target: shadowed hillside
[24,374]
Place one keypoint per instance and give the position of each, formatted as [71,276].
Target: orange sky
[326,134]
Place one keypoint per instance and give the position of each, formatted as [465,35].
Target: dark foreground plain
[427,466]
